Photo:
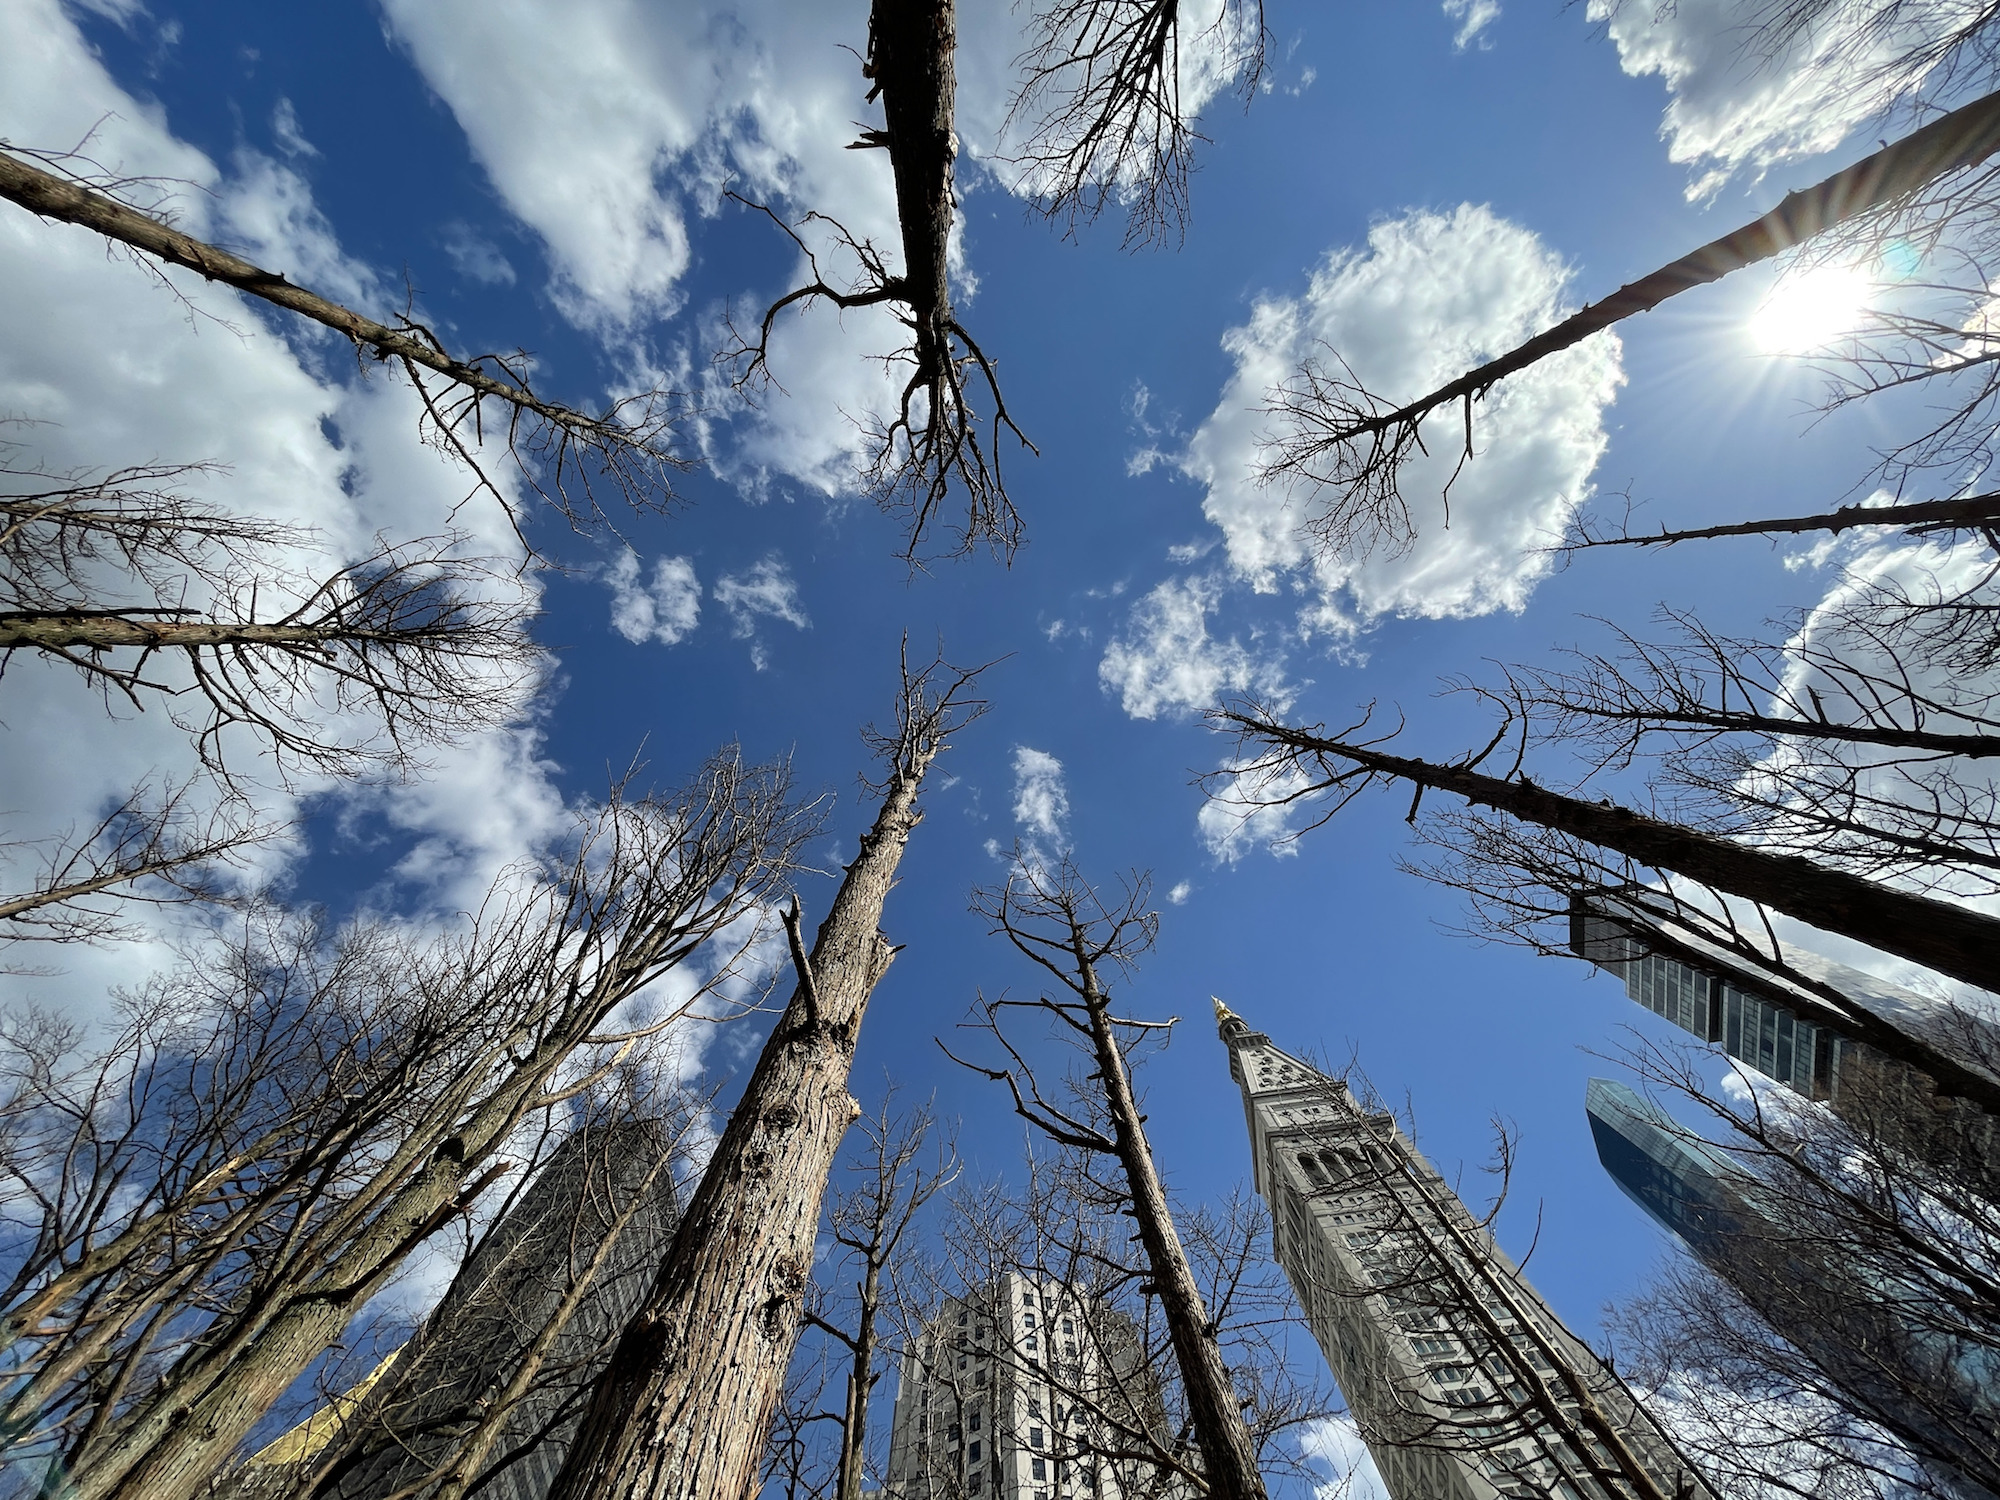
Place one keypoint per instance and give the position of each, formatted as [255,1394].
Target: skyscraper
[1006,1395]
[1883,1341]
[557,1277]
[1786,1016]
[1464,1384]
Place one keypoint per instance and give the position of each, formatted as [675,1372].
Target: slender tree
[245,1168]
[1294,765]
[686,1404]
[560,451]
[1052,916]
[1346,445]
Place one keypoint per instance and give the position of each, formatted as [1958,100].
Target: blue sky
[1418,185]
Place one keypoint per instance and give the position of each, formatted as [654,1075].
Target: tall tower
[1004,1395]
[1465,1386]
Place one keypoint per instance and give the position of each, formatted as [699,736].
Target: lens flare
[1810,310]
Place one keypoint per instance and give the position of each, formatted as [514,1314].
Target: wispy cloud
[664,610]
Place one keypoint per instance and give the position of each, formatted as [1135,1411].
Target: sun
[1810,310]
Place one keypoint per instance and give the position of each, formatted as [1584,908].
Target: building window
[975,1418]
[973,1452]
[1034,1437]
[1069,1326]
[1038,1468]
[961,1318]
[1031,1345]
[961,1361]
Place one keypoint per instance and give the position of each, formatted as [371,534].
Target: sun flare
[1811,310]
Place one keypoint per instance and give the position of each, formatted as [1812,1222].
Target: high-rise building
[1462,1381]
[1865,1335]
[1006,1393]
[574,1255]
[1788,1017]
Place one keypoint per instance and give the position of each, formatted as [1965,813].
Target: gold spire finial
[1223,1014]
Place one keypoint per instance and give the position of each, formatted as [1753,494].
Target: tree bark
[53,197]
[95,632]
[1952,939]
[1229,1455]
[860,1385]
[684,1409]
[910,59]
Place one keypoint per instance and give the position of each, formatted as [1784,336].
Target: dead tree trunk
[1952,939]
[628,440]
[683,1411]
[1056,919]
[1229,1457]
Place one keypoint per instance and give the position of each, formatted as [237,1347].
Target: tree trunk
[54,197]
[1952,939]
[910,57]
[1229,1455]
[94,632]
[684,1409]
[860,1383]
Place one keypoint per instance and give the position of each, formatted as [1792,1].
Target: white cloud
[1179,894]
[1431,296]
[1473,17]
[1336,1442]
[1249,812]
[664,610]
[285,130]
[1165,662]
[472,255]
[765,591]
[1731,109]
[1041,802]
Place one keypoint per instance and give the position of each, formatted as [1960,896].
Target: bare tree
[494,1380]
[1100,107]
[1054,917]
[932,441]
[1847,1290]
[1978,514]
[120,574]
[278,1130]
[1345,445]
[1089,1358]
[686,1404]
[1293,766]
[156,847]
[860,1304]
[561,453]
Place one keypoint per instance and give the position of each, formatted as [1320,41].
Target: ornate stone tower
[1464,1385]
